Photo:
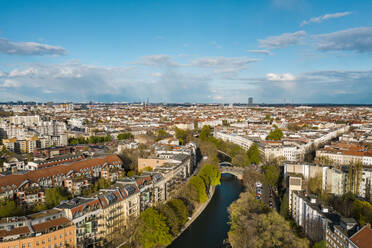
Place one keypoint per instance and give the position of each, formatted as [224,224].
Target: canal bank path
[196,213]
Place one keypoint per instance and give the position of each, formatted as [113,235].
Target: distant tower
[250,101]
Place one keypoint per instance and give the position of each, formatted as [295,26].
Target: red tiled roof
[49,224]
[56,170]
[363,238]
[15,231]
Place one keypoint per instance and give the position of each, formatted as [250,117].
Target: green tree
[181,134]
[197,184]
[152,229]
[131,173]
[54,196]
[205,133]
[39,207]
[147,168]
[271,173]
[275,134]
[241,160]
[180,209]
[254,154]
[172,220]
[10,208]
[162,134]
[253,224]
[314,184]
[320,244]
[284,210]
[210,174]
[124,136]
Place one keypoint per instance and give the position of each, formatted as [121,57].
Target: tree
[210,174]
[253,224]
[355,176]
[180,209]
[271,173]
[250,177]
[123,136]
[209,149]
[275,134]
[320,244]
[39,207]
[152,229]
[198,186]
[148,168]
[241,160]
[323,160]
[172,220]
[314,184]
[284,206]
[181,134]
[54,196]
[9,208]
[254,154]
[161,134]
[131,173]
[205,133]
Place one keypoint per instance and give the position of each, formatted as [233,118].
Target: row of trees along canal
[159,225]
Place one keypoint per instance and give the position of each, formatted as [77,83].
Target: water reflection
[210,228]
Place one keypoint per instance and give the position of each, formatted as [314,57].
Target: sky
[210,51]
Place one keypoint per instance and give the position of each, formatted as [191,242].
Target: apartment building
[55,175]
[111,221]
[242,141]
[294,184]
[341,153]
[338,233]
[310,215]
[335,180]
[45,229]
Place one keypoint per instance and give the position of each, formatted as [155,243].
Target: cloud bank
[29,48]
[283,40]
[322,18]
[354,39]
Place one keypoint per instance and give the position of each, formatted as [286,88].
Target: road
[266,197]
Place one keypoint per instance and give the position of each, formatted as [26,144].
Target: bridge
[226,167]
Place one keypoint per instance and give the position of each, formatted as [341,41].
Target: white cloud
[280,77]
[157,60]
[10,83]
[354,39]
[80,82]
[260,51]
[29,48]
[319,19]
[223,61]
[283,40]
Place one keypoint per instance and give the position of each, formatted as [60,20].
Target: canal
[210,228]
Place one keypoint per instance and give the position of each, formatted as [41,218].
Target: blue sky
[186,51]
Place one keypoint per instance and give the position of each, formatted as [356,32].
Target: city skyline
[277,51]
